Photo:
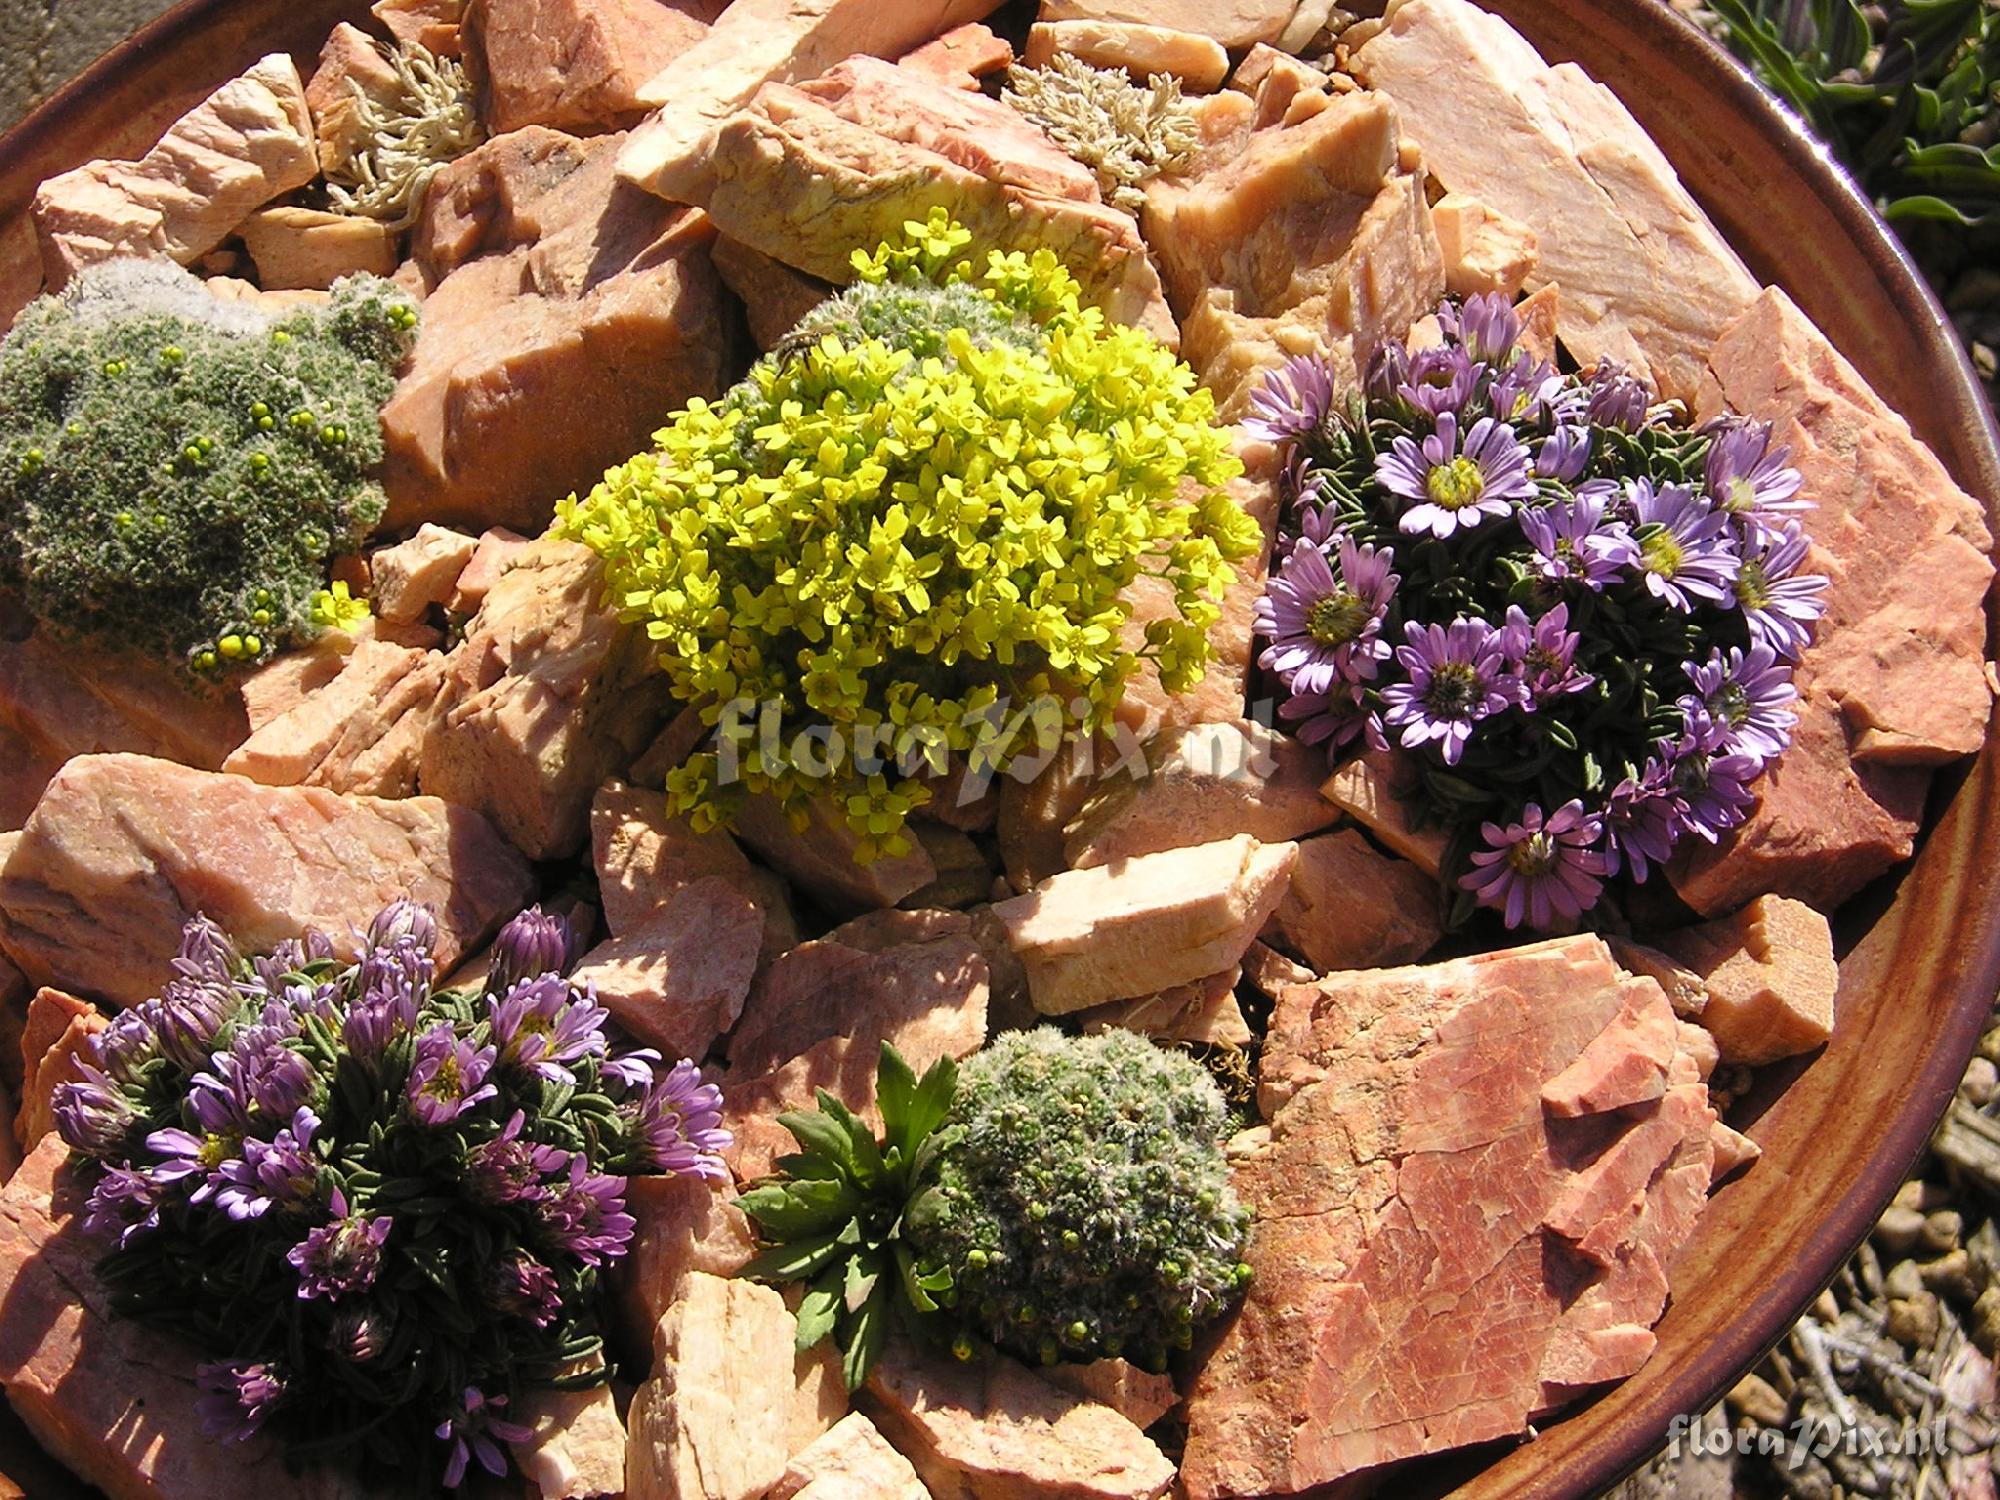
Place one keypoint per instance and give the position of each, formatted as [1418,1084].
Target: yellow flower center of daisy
[1337,619]
[1455,485]
[1753,589]
[444,1082]
[1533,857]
[1740,496]
[1662,553]
[217,1149]
[1454,686]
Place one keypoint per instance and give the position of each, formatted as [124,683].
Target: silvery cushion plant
[379,1209]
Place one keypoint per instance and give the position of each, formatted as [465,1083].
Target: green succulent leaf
[869,1329]
[798,1259]
[819,1309]
[791,1210]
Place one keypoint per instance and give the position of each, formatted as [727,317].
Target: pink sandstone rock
[961,57]
[992,1430]
[1236,24]
[774,296]
[112,1400]
[643,856]
[430,24]
[413,575]
[1198,784]
[567,315]
[1483,250]
[1144,925]
[248,142]
[1351,907]
[851,1461]
[685,1224]
[352,62]
[1137,1396]
[547,695]
[1037,804]
[759,41]
[677,981]
[123,850]
[1371,789]
[1312,239]
[1769,975]
[1205,1011]
[361,731]
[820,857]
[1645,278]
[1199,62]
[56,1033]
[309,249]
[1439,1258]
[498,550]
[576,1446]
[574,65]
[61,700]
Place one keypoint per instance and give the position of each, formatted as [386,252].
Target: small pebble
[1989,1045]
[1954,1276]
[1986,1322]
[1922,1196]
[1903,1281]
[1981,1082]
[1825,1308]
[1755,1398]
[1898,1228]
[1942,1229]
[1913,1321]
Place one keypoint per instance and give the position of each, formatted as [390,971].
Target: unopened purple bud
[402,920]
[92,1114]
[206,954]
[359,1334]
[1388,370]
[532,944]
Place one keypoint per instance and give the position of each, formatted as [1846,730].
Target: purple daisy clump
[92,1114]
[1779,603]
[1748,478]
[124,1205]
[1686,550]
[237,1396]
[1747,696]
[470,1433]
[1541,870]
[542,1025]
[341,1258]
[522,1287]
[1564,454]
[1440,381]
[508,1169]
[1617,399]
[1335,719]
[530,945]
[585,1215]
[1323,618]
[279,1173]
[1543,653]
[677,1126]
[1579,541]
[1454,488]
[1642,819]
[1292,401]
[448,1076]
[1456,676]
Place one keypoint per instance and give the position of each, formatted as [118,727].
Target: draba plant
[934,497]
[1057,1197]
[375,1209]
[177,472]
[1577,615]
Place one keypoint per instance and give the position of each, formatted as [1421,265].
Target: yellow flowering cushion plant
[928,504]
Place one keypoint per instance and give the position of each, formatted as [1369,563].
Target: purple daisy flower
[1643,817]
[448,1076]
[1320,620]
[184,1155]
[338,1259]
[1746,477]
[530,945]
[507,1169]
[585,1215]
[1529,391]
[677,1126]
[289,957]
[1576,541]
[278,1173]
[1543,653]
[1564,454]
[124,1205]
[541,1025]
[523,1287]
[92,1114]
[1454,488]
[1336,719]
[1541,870]
[1456,677]
[1714,784]
[219,1098]
[277,1079]
[1292,401]
[1485,325]
[1387,373]
[1440,381]
[1779,603]
[237,1397]
[1617,399]
[471,1432]
[1685,548]
[1748,696]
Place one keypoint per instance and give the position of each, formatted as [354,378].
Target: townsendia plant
[1576,615]
[378,1209]
[935,496]
[1060,1198]
[177,472]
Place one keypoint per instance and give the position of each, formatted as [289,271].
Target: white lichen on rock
[395,145]
[1128,135]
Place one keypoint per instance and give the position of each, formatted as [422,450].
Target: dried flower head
[395,143]
[1126,134]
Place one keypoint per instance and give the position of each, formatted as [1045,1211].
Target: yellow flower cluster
[890,545]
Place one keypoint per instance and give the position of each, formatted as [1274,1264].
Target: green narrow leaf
[820,1135]
[797,1260]
[864,1343]
[793,1210]
[819,1309]
[863,1155]
[863,1275]
[895,1088]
